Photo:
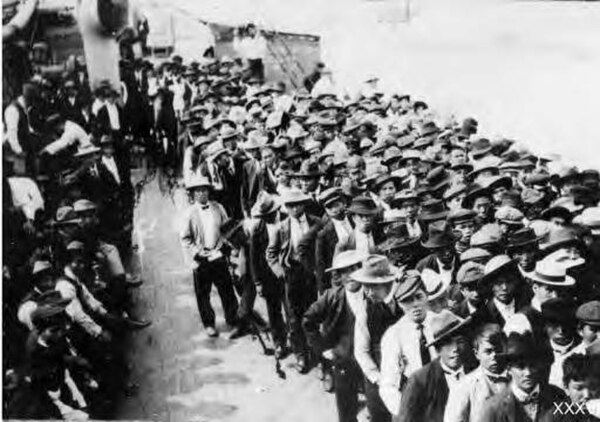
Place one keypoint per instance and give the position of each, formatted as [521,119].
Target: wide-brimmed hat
[198,182]
[461,215]
[391,155]
[438,178]
[560,237]
[445,325]
[294,196]
[265,204]
[496,265]
[86,149]
[551,272]
[467,167]
[470,272]
[292,153]
[215,149]
[433,210]
[496,182]
[475,191]
[363,205]
[411,154]
[435,285]
[84,205]
[330,195]
[403,196]
[522,237]
[201,140]
[346,259]
[590,218]
[556,211]
[228,132]
[439,236]
[376,269]
[454,191]
[66,215]
[382,179]
[480,147]
[351,125]
[308,169]
[397,238]
[485,164]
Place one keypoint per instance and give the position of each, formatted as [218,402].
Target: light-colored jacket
[467,401]
[192,234]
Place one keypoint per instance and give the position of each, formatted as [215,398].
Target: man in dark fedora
[377,312]
[426,393]
[265,212]
[201,235]
[290,255]
[442,259]
[337,226]
[329,328]
[400,248]
[522,246]
[366,234]
[308,176]
[528,397]
[502,280]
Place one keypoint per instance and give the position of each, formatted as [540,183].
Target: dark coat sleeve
[314,316]
[322,259]
[411,405]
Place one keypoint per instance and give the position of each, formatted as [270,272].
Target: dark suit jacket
[101,125]
[492,314]
[329,324]
[280,247]
[73,112]
[425,395]
[259,268]
[254,180]
[324,250]
[504,407]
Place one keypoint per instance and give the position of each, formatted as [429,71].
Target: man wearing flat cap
[588,325]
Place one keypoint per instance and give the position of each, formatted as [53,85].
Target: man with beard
[467,401]
[426,393]
[528,397]
[338,226]
[403,346]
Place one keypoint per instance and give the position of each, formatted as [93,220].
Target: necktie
[497,378]
[204,207]
[425,356]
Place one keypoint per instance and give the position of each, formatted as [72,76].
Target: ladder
[284,57]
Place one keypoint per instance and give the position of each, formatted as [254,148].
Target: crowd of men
[67,210]
[443,275]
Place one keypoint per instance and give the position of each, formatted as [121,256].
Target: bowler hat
[589,313]
[439,236]
[445,325]
[376,269]
[265,204]
[559,310]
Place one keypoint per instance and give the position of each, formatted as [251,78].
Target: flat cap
[589,313]
[470,272]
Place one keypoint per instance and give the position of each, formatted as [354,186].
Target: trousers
[377,409]
[347,378]
[217,273]
[300,293]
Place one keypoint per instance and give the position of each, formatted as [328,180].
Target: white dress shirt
[113,116]
[531,408]
[210,228]
[453,376]
[364,242]
[506,310]
[343,229]
[414,229]
[560,354]
[73,134]
[111,165]
[401,355]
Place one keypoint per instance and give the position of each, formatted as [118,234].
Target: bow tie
[497,378]
[204,207]
[532,398]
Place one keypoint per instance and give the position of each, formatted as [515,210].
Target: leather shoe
[212,332]
[238,331]
[327,382]
[302,364]
[134,324]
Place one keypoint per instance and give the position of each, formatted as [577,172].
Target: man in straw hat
[265,213]
[329,327]
[290,255]
[378,311]
[201,236]
[426,392]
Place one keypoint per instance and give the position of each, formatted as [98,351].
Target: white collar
[521,395]
[454,373]
[561,350]
[504,306]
